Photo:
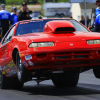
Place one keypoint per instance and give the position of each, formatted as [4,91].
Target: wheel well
[14,55]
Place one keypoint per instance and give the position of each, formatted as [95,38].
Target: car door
[5,56]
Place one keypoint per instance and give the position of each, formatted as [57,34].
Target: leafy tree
[14,1]
[42,1]
[2,1]
[62,0]
[31,1]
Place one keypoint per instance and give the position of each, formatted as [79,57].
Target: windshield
[35,26]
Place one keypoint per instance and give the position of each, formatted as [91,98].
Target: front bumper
[61,58]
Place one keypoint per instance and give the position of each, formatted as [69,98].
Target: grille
[87,52]
[81,56]
[69,55]
[63,57]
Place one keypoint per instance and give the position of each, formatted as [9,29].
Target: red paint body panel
[52,25]
[70,48]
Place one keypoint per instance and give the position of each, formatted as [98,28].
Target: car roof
[48,19]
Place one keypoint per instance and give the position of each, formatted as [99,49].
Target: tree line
[10,2]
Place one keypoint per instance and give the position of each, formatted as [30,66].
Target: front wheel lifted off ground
[22,72]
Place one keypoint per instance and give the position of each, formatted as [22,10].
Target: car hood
[62,37]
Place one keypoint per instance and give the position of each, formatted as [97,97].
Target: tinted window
[8,36]
[37,26]
[78,26]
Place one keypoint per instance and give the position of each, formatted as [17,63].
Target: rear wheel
[7,82]
[16,84]
[22,72]
[64,80]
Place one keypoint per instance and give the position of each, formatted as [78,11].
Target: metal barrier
[1,34]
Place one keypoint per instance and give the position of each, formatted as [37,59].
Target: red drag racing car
[56,49]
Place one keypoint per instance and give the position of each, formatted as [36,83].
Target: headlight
[41,44]
[93,42]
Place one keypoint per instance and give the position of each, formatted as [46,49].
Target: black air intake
[69,29]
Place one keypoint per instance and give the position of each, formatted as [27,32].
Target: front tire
[22,72]
[65,80]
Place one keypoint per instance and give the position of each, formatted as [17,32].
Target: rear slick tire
[9,83]
[5,82]
[16,84]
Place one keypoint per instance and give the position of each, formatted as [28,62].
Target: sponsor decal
[5,67]
[14,68]
[0,68]
[10,65]
[9,75]
[26,22]
[10,69]
[3,48]
[30,63]
[7,72]
[3,72]
[15,73]
[28,57]
[3,51]
[25,63]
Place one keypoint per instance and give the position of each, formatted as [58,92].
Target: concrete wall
[76,11]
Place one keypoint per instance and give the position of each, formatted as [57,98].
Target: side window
[8,36]
[78,26]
